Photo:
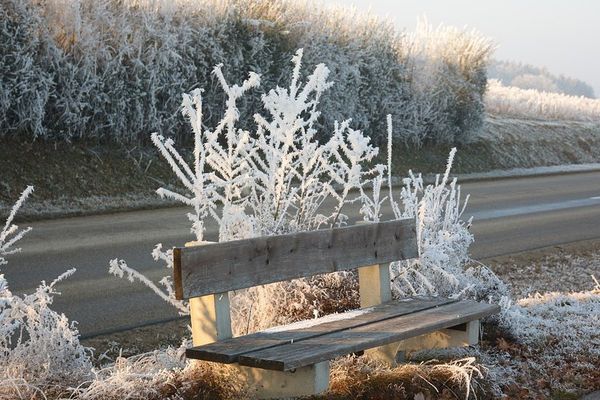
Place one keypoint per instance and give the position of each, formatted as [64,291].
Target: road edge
[32,212]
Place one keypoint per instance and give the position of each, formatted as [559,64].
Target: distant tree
[538,82]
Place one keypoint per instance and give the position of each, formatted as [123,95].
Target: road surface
[510,215]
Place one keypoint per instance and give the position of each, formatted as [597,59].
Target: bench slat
[228,351]
[326,347]
[227,266]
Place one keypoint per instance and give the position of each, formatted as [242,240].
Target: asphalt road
[510,215]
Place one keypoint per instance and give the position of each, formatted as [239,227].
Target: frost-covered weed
[444,239]
[39,348]
[136,377]
[280,178]
[531,103]
[276,179]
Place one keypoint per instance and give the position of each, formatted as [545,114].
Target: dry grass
[362,378]
[351,378]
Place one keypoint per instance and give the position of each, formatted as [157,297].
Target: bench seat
[297,345]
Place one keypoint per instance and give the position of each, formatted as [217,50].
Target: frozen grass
[526,76]
[552,345]
[39,348]
[534,104]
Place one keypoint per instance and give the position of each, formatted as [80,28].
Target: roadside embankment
[89,178]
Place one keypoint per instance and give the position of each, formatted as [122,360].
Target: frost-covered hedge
[115,69]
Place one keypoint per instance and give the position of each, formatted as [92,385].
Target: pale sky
[562,35]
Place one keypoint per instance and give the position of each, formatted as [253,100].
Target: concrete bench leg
[388,353]
[305,381]
[460,336]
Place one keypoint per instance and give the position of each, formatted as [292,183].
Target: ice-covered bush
[39,348]
[274,180]
[530,103]
[444,239]
[25,83]
[115,69]
[448,82]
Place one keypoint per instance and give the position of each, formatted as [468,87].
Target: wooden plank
[227,266]
[326,347]
[228,351]
[210,315]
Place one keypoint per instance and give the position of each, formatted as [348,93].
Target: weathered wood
[326,347]
[228,351]
[223,267]
[210,315]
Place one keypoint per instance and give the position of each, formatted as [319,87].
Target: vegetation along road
[510,215]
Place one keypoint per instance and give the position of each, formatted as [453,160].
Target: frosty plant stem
[39,348]
[270,180]
[10,232]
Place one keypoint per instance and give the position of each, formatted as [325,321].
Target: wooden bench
[293,360]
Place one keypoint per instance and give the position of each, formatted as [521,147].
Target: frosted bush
[271,181]
[443,240]
[449,79]
[115,69]
[39,348]
[25,84]
[530,103]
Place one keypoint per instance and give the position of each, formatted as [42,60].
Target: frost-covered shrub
[271,181]
[449,81]
[115,69]
[444,239]
[25,84]
[39,348]
[530,103]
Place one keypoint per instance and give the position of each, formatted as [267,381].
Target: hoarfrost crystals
[39,348]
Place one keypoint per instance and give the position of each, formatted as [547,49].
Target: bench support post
[305,381]
[374,285]
[210,315]
[375,288]
[210,318]
[459,336]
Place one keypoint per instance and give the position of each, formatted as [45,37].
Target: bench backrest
[227,266]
